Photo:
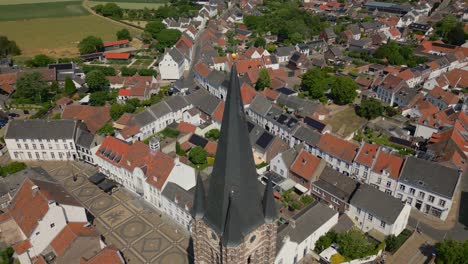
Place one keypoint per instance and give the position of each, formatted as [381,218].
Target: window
[379,180]
[365,174]
[412,191]
[431,198]
[441,202]
[37,233]
[19,145]
[356,171]
[389,183]
[274,167]
[409,200]
[335,200]
[359,210]
[382,224]
[370,217]
[65,146]
[52,155]
[281,171]
[52,225]
[421,195]
[37,155]
[29,155]
[402,188]
[34,146]
[399,196]
[42,146]
[388,191]
[26,146]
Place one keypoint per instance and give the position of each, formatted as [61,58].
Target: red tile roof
[185,127]
[218,112]
[457,78]
[22,246]
[445,96]
[305,165]
[248,93]
[68,234]
[64,101]
[394,32]
[390,163]
[202,69]
[406,75]
[125,92]
[115,43]
[108,255]
[8,81]
[338,147]
[93,116]
[367,154]
[211,147]
[270,94]
[244,66]
[117,56]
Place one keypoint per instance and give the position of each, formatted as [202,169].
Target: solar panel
[285,91]
[198,141]
[443,45]
[400,141]
[250,126]
[264,140]
[314,123]
[281,119]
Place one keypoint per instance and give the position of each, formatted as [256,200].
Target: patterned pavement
[142,233]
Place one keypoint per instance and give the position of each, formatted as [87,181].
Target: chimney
[154,145]
[34,190]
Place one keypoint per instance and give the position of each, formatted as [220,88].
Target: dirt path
[91,11]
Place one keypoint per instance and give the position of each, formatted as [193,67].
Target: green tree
[445,25]
[315,82]
[96,81]
[125,71]
[8,47]
[451,252]
[154,27]
[147,72]
[39,60]
[6,256]
[105,130]
[90,44]
[354,244]
[117,110]
[325,241]
[457,35]
[99,98]
[107,71]
[167,38]
[197,155]
[69,87]
[12,168]
[260,42]
[213,134]
[343,90]
[123,34]
[263,80]
[31,88]
[179,150]
[370,108]
[112,10]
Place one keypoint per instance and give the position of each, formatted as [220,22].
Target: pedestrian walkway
[416,250]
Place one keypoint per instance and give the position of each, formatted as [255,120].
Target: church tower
[234,221]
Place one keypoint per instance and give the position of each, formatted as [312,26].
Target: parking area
[142,233]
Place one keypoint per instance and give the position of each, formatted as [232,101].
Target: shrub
[170,132]
[197,155]
[325,241]
[12,168]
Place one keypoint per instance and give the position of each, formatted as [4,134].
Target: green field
[134,1]
[128,5]
[57,36]
[41,10]
[19,2]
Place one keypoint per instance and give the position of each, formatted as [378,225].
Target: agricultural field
[129,4]
[13,11]
[57,36]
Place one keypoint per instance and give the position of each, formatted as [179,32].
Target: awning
[97,178]
[107,185]
[300,188]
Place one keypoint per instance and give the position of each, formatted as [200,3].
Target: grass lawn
[18,2]
[135,1]
[129,4]
[345,122]
[141,64]
[41,10]
[57,36]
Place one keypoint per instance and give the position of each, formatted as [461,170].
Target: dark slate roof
[289,156]
[42,129]
[199,200]
[314,124]
[306,134]
[233,182]
[176,103]
[307,222]
[12,183]
[264,140]
[216,78]
[270,211]
[429,176]
[176,55]
[198,141]
[344,224]
[56,192]
[260,105]
[174,192]
[160,109]
[84,139]
[336,183]
[286,91]
[144,118]
[205,101]
[379,204]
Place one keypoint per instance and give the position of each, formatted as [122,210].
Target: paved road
[416,250]
[142,233]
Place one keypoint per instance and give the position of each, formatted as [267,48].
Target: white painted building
[173,65]
[39,139]
[371,209]
[297,238]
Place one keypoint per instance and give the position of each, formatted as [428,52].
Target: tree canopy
[315,82]
[69,87]
[96,81]
[451,252]
[123,34]
[167,38]
[213,134]
[8,47]
[100,98]
[39,60]
[197,155]
[154,27]
[370,108]
[354,245]
[287,20]
[90,44]
[343,90]
[398,55]
[125,71]
[109,10]
[263,80]
[451,30]
[32,88]
[260,42]
[325,241]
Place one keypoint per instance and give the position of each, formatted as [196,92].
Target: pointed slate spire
[232,234]
[199,199]
[234,173]
[269,207]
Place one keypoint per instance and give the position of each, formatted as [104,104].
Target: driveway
[143,234]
